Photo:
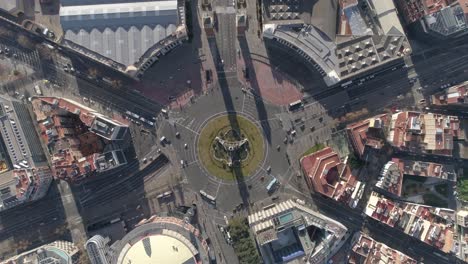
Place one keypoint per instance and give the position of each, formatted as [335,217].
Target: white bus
[295,105]
[346,84]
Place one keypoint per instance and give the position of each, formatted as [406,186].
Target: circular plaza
[230,146]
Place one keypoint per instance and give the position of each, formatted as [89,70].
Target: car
[70,67]
[185,146]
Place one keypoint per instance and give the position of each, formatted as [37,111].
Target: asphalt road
[129,181]
[226,39]
[37,223]
[432,69]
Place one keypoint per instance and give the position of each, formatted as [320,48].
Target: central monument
[230,147]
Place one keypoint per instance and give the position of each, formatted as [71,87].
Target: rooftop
[388,17]
[426,169]
[334,35]
[391,178]
[161,239]
[160,249]
[432,225]
[11,6]
[289,230]
[445,17]
[122,32]
[367,133]
[328,175]
[63,252]
[454,95]
[30,177]
[367,250]
[418,132]
[78,138]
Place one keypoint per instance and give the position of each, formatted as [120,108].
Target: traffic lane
[124,186]
[117,97]
[38,222]
[389,76]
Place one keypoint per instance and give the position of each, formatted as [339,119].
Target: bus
[346,84]
[294,106]
[272,185]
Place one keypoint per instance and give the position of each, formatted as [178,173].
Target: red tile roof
[325,172]
[359,136]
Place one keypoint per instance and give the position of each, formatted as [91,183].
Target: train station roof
[119,31]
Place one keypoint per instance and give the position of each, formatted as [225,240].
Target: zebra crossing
[249,105]
[28,57]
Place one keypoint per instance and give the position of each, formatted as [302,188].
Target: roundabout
[230,147]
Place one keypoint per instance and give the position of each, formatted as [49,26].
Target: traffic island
[230,147]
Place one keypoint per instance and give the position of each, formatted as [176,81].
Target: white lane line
[243,103]
[188,128]
[217,190]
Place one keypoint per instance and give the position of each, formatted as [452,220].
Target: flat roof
[324,17]
[388,18]
[122,32]
[159,249]
[9,5]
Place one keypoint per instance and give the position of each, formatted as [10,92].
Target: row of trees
[243,243]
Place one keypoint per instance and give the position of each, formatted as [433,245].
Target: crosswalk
[249,104]
[30,58]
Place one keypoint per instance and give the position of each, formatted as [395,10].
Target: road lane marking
[188,128]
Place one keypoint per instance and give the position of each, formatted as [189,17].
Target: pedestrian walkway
[74,220]
[272,85]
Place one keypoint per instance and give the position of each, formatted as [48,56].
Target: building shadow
[118,194]
[31,225]
[294,67]
[50,8]
[225,87]
[260,105]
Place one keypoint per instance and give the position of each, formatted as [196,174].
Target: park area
[417,188]
[230,130]
[462,185]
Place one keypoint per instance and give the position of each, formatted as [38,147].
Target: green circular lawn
[220,125]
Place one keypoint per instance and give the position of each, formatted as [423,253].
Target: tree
[44,52]
[354,162]
[93,72]
[24,42]
[4,32]
[243,244]
[116,83]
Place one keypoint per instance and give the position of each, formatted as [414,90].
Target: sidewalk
[74,220]
[268,82]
